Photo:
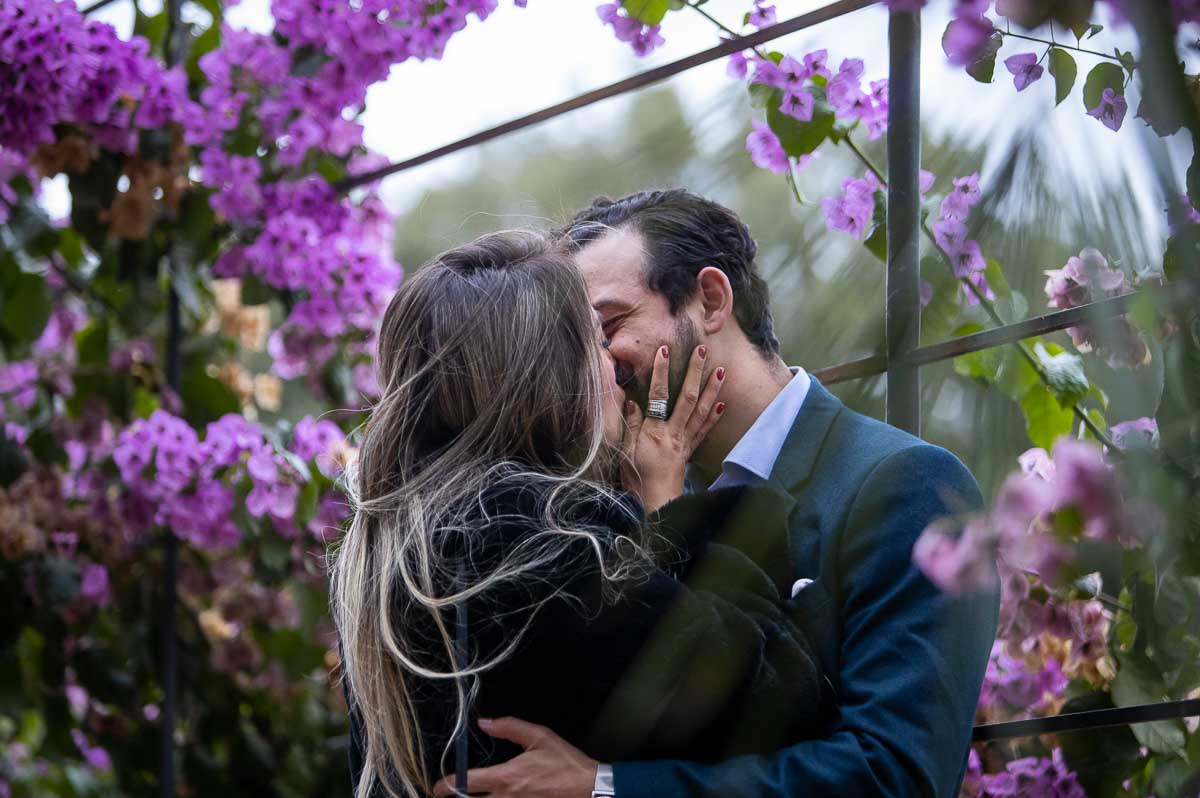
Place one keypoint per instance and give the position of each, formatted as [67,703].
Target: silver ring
[657,408]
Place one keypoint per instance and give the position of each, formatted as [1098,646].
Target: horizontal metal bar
[1092,719]
[1038,325]
[853,370]
[638,81]
[987,339]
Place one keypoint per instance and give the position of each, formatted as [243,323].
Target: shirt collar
[753,457]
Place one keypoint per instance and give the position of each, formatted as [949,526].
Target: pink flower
[951,235]
[736,67]
[851,212]
[957,565]
[966,38]
[968,260]
[94,587]
[1138,433]
[798,104]
[762,16]
[1111,109]
[765,150]
[1035,462]
[927,180]
[1025,69]
[816,63]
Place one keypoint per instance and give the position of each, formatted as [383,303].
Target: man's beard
[686,340]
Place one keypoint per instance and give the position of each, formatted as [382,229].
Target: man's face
[636,320]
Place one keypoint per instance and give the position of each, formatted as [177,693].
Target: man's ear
[715,296]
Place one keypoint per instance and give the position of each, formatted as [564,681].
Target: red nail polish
[665,352]
[721,373]
[720,408]
[703,352]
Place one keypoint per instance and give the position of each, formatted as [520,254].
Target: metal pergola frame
[901,363]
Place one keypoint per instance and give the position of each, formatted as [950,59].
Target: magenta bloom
[1025,69]
[957,564]
[851,212]
[1111,110]
[968,260]
[927,180]
[762,16]
[951,235]
[965,39]
[765,150]
[93,586]
[816,63]
[769,73]
[1138,433]
[736,67]
[798,104]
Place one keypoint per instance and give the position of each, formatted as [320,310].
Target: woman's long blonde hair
[490,371]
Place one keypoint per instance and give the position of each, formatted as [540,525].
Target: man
[906,662]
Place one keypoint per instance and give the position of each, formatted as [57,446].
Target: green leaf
[800,138]
[1102,758]
[982,365]
[1139,682]
[984,67]
[764,96]
[1016,376]
[1103,76]
[205,398]
[1045,419]
[1065,71]
[875,239]
[1064,372]
[648,12]
[144,402]
[255,291]
[306,503]
[996,279]
[26,306]
[91,344]
[1127,60]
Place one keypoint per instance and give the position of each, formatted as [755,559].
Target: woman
[487,478]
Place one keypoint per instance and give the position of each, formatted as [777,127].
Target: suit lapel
[807,436]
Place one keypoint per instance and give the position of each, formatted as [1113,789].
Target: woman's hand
[657,451]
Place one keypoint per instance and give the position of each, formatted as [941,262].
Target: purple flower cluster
[851,212]
[317,440]
[1038,511]
[191,483]
[1040,776]
[950,233]
[1010,682]
[56,66]
[644,39]
[1087,278]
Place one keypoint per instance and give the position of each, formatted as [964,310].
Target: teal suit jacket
[906,661]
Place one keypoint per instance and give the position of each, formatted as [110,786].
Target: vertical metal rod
[903,309]
[169,642]
[460,656]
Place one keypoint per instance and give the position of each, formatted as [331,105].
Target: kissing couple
[685,567]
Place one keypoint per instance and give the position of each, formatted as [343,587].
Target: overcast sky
[521,60]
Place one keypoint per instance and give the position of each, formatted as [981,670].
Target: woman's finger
[633,428]
[689,392]
[695,431]
[660,377]
[714,415]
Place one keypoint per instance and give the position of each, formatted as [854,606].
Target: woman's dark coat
[694,659]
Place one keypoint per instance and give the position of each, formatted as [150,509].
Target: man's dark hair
[685,233]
